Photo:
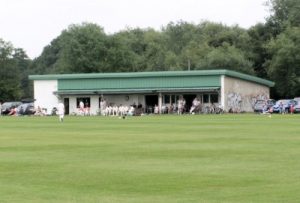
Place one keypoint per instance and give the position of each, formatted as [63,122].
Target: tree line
[270,50]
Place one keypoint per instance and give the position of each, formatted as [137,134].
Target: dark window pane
[173,99]
[205,98]
[214,98]
[167,99]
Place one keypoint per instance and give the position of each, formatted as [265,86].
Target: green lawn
[200,158]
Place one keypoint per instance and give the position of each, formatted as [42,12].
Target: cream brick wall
[43,94]
[240,95]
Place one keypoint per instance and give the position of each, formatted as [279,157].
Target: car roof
[11,103]
[27,104]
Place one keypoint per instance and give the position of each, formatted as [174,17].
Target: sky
[33,24]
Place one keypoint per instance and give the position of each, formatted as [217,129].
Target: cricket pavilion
[232,90]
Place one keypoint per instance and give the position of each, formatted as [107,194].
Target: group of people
[181,107]
[13,111]
[18,111]
[40,111]
[196,105]
[84,109]
[172,108]
[60,111]
[117,110]
[282,109]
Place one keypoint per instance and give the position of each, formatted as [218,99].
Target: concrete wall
[43,94]
[240,95]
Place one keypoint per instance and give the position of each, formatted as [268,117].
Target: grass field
[205,158]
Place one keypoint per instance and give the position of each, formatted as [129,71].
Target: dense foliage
[270,50]
[14,67]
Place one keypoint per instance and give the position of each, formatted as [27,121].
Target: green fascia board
[139,83]
[155,74]
[137,91]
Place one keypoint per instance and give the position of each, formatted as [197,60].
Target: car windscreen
[260,102]
[7,105]
[282,101]
[23,106]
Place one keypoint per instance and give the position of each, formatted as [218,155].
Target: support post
[159,102]
[223,92]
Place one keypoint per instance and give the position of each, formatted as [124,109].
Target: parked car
[26,109]
[263,105]
[7,106]
[297,99]
[297,106]
[286,105]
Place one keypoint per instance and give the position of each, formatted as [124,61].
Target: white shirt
[81,105]
[61,109]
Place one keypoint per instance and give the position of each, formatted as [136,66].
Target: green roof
[161,74]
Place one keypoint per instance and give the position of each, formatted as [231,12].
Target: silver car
[7,106]
[297,105]
[263,105]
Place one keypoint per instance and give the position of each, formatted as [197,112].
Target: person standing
[292,108]
[61,111]
[281,110]
[181,105]
[102,107]
[81,108]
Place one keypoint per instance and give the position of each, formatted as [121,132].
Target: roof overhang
[143,75]
[137,91]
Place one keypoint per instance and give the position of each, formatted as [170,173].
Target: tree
[79,49]
[155,53]
[284,13]
[133,43]
[178,35]
[50,60]
[23,63]
[260,36]
[284,66]
[120,58]
[226,57]
[282,62]
[84,49]
[10,88]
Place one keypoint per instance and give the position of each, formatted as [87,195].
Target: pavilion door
[67,106]
[189,101]
[151,101]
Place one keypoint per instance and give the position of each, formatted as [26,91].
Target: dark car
[26,109]
[286,105]
[263,105]
[7,106]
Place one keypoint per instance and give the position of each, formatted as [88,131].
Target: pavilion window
[214,98]
[86,101]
